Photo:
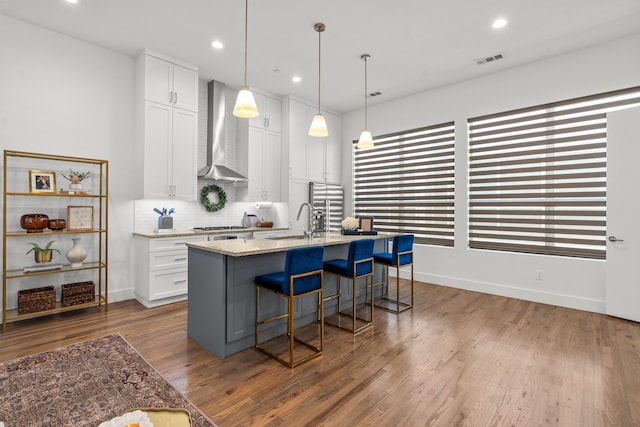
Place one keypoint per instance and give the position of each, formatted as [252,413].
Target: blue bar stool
[401,256]
[302,276]
[358,264]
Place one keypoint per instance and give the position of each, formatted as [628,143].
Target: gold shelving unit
[14,195]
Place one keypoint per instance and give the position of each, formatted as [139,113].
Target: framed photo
[366,223]
[42,181]
[79,218]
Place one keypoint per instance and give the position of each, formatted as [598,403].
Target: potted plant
[75,178]
[42,254]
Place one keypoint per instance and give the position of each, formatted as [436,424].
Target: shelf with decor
[71,222]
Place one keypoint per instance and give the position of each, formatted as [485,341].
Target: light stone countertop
[245,247]
[182,233]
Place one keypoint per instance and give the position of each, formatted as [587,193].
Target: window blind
[537,177]
[406,182]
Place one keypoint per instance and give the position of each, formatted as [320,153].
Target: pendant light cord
[365,58]
[366,116]
[319,37]
[319,27]
[246,26]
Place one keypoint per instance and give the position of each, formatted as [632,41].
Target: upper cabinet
[170,84]
[167,128]
[312,158]
[264,166]
[270,117]
[262,159]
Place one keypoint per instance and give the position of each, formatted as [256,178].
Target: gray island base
[221,302]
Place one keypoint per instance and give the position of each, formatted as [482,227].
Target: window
[406,182]
[537,177]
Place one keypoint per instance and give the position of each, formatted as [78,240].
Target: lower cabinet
[161,269]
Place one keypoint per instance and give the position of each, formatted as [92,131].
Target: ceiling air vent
[488,59]
[377,93]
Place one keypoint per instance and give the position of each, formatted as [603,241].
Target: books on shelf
[40,267]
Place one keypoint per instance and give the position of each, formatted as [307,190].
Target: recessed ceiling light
[217,44]
[499,23]
[296,79]
[72,1]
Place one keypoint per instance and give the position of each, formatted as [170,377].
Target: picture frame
[366,223]
[79,218]
[42,181]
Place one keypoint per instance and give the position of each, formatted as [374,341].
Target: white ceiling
[415,45]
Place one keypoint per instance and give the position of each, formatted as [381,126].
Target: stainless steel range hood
[215,168]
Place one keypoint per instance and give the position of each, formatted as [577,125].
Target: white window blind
[406,182]
[537,177]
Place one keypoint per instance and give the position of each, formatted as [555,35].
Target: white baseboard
[569,301]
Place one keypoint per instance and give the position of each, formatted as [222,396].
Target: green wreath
[206,202]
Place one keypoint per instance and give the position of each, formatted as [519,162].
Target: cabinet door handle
[175,97]
[170,97]
[180,259]
[177,282]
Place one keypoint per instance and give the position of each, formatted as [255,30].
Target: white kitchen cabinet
[264,162]
[168,134]
[161,269]
[270,109]
[332,150]
[312,158]
[169,83]
[170,152]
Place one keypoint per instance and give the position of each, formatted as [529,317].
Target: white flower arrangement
[350,223]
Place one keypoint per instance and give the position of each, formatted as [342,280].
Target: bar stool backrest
[359,250]
[300,261]
[402,244]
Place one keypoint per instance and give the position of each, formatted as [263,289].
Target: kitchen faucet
[308,233]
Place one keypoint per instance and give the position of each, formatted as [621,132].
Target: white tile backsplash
[192,214]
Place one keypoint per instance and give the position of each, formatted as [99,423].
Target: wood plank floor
[457,358]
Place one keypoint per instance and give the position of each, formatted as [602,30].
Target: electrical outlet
[539,275]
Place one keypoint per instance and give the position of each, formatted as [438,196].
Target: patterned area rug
[85,384]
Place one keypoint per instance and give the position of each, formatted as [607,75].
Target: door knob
[614,239]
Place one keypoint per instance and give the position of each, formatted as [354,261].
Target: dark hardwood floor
[457,358]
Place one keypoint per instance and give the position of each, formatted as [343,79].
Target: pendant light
[245,103]
[366,140]
[318,125]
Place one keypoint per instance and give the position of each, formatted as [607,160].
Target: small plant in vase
[41,254]
[75,178]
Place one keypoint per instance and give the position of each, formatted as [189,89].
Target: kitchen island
[221,303]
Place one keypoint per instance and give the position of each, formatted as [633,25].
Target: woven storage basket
[77,293]
[36,299]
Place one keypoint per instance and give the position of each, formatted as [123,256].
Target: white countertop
[245,247]
[181,233]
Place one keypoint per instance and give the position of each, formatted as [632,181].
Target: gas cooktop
[219,227]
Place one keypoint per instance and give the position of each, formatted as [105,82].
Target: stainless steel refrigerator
[328,205]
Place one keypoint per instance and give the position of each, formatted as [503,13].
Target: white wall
[67,97]
[567,282]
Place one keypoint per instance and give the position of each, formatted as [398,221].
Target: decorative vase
[77,186]
[76,254]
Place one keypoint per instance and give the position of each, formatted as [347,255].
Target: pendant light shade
[366,140]
[245,103]
[319,125]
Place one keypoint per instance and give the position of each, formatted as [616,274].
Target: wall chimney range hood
[215,169]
